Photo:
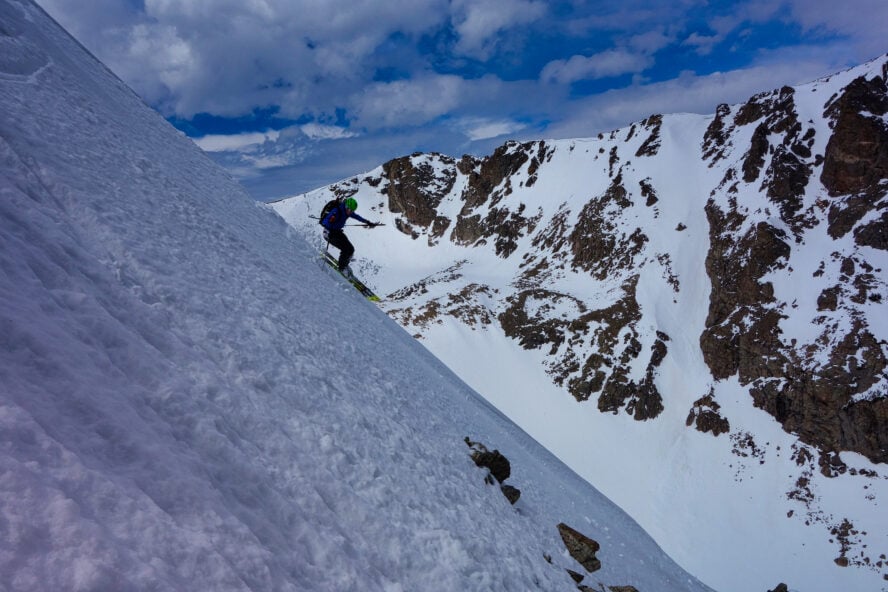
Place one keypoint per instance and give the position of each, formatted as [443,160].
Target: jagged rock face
[415,189]
[739,298]
[596,243]
[830,392]
[855,165]
[856,158]
[705,416]
[820,405]
[488,183]
[596,351]
[786,177]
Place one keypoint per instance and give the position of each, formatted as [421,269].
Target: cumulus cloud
[372,79]
[408,102]
[479,128]
[601,65]
[862,21]
[235,142]
[651,41]
[703,44]
[168,62]
[478,22]
[228,57]
[317,131]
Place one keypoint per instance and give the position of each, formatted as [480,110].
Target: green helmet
[351,203]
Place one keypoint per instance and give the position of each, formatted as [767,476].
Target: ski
[358,284]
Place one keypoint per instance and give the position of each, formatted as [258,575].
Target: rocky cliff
[677,272]
[785,181]
[831,390]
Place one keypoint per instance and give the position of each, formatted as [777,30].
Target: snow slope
[716,504]
[190,401]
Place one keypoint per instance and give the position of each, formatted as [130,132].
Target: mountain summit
[690,312]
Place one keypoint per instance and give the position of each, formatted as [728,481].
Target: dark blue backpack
[328,207]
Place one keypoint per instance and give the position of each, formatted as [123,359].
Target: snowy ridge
[189,400]
[576,284]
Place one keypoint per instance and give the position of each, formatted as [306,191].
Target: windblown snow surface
[189,400]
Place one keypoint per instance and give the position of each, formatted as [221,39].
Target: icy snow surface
[189,400]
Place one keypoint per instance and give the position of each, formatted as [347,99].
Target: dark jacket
[337,217]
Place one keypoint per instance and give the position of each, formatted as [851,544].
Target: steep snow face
[689,312]
[190,400]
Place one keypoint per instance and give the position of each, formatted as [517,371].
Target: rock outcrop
[831,392]
[498,467]
[580,547]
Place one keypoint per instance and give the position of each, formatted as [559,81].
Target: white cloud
[235,142]
[862,21]
[477,128]
[163,55]
[359,60]
[269,162]
[651,41]
[316,131]
[228,57]
[272,148]
[601,65]
[479,22]
[703,44]
[408,102]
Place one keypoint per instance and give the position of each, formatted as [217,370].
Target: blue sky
[290,95]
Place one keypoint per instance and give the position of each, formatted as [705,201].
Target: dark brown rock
[468,230]
[537,331]
[704,415]
[821,407]
[494,170]
[741,329]
[494,461]
[596,243]
[787,183]
[755,156]
[512,493]
[415,191]
[829,298]
[715,139]
[652,144]
[874,234]
[648,192]
[845,214]
[856,156]
[580,547]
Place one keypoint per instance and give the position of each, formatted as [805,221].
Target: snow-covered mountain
[190,400]
[689,312]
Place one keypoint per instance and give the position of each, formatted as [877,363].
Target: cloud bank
[293,84]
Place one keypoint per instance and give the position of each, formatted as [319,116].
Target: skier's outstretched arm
[364,220]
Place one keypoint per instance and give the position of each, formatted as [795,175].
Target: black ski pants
[338,239]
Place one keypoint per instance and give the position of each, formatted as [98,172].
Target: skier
[334,221]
